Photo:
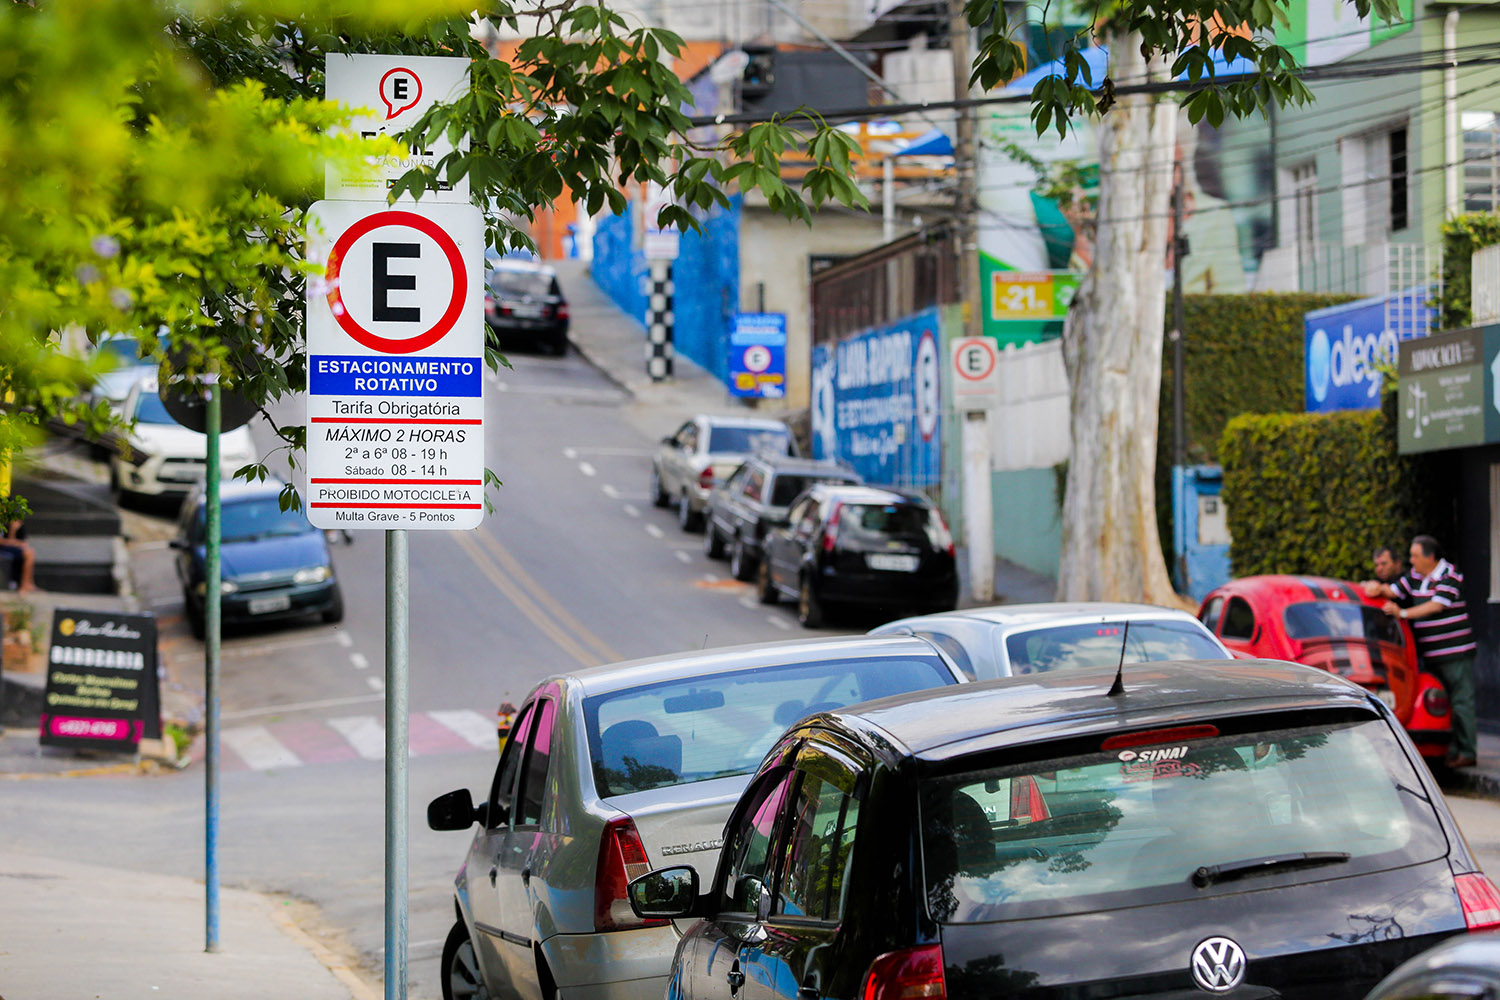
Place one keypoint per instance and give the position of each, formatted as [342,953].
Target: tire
[713,542]
[558,348]
[198,623]
[687,518]
[460,973]
[334,613]
[809,607]
[659,496]
[765,590]
[741,563]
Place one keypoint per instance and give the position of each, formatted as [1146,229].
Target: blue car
[273,563]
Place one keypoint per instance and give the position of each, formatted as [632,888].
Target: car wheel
[659,496]
[558,347]
[713,542]
[809,607]
[687,518]
[741,566]
[765,590]
[334,613]
[198,623]
[462,979]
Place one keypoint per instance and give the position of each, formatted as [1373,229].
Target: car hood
[273,557]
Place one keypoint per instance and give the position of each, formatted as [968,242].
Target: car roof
[728,659]
[948,722]
[722,420]
[813,466]
[1290,587]
[239,489]
[864,494]
[1052,614]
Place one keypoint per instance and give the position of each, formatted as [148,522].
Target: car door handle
[526,875]
[494,870]
[736,978]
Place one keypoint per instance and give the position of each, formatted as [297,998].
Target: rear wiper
[1209,874]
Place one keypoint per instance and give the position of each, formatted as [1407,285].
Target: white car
[616,770]
[113,386]
[1010,639]
[703,453]
[166,457]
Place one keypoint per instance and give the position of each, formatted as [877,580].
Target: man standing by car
[1388,567]
[1430,596]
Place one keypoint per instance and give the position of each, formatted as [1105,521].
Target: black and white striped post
[659,322]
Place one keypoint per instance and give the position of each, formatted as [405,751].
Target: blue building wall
[705,277]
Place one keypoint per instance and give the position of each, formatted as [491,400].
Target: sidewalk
[77,930]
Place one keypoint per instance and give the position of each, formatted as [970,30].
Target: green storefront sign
[1448,391]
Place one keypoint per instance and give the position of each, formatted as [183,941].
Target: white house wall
[1029,430]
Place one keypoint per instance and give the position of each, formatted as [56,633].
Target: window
[1100,645]
[1340,620]
[749,850]
[953,648]
[820,843]
[1239,620]
[149,409]
[1481,161]
[755,485]
[747,440]
[534,774]
[736,480]
[1211,613]
[510,762]
[260,517]
[1396,144]
[787,486]
[1494,534]
[1305,211]
[808,522]
[687,438]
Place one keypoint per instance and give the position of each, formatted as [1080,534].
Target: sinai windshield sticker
[1158,753]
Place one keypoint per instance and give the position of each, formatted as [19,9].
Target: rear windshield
[875,524]
[788,486]
[537,284]
[722,725]
[252,520]
[1340,620]
[1073,834]
[1098,645]
[748,440]
[149,409]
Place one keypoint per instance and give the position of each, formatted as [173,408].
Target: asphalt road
[574,568]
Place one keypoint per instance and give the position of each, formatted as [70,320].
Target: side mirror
[453,811]
[665,894]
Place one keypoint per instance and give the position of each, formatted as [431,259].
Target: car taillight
[907,975]
[1480,900]
[1435,700]
[706,478]
[489,302]
[562,310]
[944,538]
[622,857]
[831,533]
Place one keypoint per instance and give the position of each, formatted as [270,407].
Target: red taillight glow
[1154,736]
[622,857]
[908,974]
[944,536]
[562,310]
[1480,900]
[1435,700]
[831,533]
[706,478]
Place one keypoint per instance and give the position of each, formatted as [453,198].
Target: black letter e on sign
[383,282]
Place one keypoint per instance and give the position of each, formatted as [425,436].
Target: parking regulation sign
[395,356]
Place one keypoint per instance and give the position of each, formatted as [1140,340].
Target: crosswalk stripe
[425,735]
[314,742]
[364,733]
[259,749]
[472,726]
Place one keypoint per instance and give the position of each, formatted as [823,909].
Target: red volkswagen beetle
[1332,625]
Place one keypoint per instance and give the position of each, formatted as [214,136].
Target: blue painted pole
[211,628]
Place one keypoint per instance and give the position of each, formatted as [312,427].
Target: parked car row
[803,530]
[1054,800]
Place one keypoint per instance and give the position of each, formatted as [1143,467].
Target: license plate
[527,312]
[892,561]
[266,605]
[187,474]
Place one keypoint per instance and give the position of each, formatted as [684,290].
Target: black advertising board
[102,687]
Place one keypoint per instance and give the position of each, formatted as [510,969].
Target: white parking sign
[395,356]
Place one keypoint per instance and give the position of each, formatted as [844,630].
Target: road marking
[711,578]
[533,587]
[259,749]
[471,726]
[632,510]
[610,491]
[574,452]
[345,639]
[654,531]
[376,684]
[779,622]
[260,648]
[300,706]
[750,602]
[683,556]
[570,453]
[587,469]
[364,733]
[360,661]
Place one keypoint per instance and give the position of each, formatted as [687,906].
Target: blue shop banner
[1345,345]
[876,402]
[757,356]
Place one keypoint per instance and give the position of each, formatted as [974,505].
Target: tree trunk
[1112,344]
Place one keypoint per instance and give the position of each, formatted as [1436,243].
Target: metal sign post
[211,626]
[396,689]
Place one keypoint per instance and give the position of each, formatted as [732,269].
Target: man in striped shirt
[1430,596]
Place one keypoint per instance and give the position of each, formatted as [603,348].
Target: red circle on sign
[390,345]
[989,356]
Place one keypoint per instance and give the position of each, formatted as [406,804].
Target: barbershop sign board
[1449,387]
[395,356]
[102,691]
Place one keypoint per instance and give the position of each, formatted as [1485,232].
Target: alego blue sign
[1347,345]
[757,356]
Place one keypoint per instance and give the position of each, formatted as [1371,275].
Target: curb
[587,355]
[1474,784]
[357,987]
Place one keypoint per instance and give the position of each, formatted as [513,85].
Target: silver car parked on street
[613,771]
[702,453]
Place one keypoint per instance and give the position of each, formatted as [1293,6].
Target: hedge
[1462,235]
[1317,493]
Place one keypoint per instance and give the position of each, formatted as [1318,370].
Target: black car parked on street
[523,300]
[859,545]
[754,498]
[1250,828]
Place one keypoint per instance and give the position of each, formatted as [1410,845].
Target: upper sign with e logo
[395,91]
[976,373]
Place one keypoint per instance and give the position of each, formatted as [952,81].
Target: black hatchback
[1247,828]
[845,546]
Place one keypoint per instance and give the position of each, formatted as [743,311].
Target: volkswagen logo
[1218,964]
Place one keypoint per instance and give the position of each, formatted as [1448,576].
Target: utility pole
[1179,424]
[975,435]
